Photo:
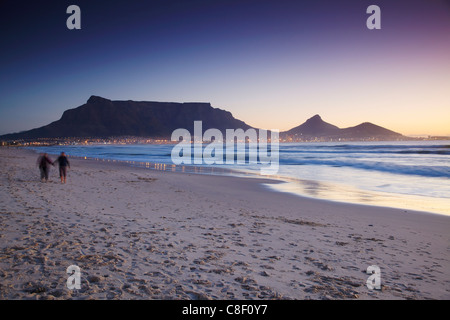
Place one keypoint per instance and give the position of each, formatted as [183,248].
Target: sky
[271,63]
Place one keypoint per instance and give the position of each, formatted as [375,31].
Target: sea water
[413,175]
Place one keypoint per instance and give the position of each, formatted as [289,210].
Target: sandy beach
[137,233]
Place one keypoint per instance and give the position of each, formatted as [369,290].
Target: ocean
[412,175]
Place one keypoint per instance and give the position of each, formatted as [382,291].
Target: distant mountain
[101,117]
[368,130]
[314,127]
[317,129]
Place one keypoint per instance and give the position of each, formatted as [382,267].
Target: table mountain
[101,117]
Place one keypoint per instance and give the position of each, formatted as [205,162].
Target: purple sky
[273,64]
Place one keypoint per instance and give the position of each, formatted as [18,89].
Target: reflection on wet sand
[310,188]
[345,193]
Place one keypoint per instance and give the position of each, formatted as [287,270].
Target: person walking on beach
[63,164]
[43,163]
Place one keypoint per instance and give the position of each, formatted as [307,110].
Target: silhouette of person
[43,162]
[63,163]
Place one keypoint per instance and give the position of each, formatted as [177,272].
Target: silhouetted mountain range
[103,118]
[315,127]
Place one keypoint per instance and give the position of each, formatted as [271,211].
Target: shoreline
[152,234]
[284,184]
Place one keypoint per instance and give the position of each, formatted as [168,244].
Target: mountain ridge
[102,118]
[315,128]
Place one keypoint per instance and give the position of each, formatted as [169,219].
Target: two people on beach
[44,163]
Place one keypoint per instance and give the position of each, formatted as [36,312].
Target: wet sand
[137,233]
